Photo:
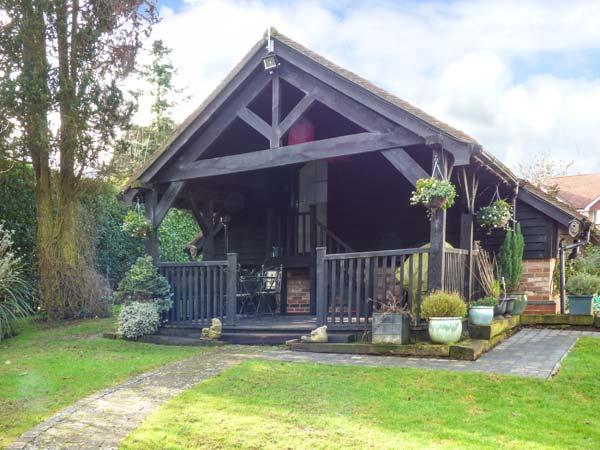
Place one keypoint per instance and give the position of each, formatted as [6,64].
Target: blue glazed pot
[520,303]
[580,305]
[481,315]
[445,330]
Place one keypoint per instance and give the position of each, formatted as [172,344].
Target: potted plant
[444,311]
[390,322]
[582,287]
[510,266]
[481,312]
[497,215]
[433,193]
[488,281]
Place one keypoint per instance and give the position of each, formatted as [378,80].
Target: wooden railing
[348,284]
[458,273]
[202,291]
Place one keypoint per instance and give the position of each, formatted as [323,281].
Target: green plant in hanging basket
[496,215]
[136,224]
[433,193]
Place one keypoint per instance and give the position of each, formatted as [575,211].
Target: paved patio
[529,353]
[104,419]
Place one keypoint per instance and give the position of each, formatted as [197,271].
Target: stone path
[102,420]
[530,352]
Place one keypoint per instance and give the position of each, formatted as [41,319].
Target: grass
[49,366]
[262,404]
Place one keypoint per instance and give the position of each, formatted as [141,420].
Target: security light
[270,62]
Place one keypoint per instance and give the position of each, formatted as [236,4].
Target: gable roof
[258,49]
[579,191]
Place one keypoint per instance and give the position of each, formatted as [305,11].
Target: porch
[344,286]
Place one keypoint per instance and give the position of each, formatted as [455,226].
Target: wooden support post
[435,278]
[151,243]
[275,140]
[231,307]
[321,289]
[313,262]
[466,243]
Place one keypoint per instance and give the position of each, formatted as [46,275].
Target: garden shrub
[138,319]
[15,290]
[176,230]
[583,284]
[142,283]
[443,304]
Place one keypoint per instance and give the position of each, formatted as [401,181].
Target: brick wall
[536,282]
[298,291]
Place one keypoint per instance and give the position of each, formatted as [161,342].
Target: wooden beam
[437,237]
[223,119]
[151,243]
[255,121]
[461,149]
[340,103]
[295,114]
[407,166]
[275,140]
[166,201]
[207,112]
[292,154]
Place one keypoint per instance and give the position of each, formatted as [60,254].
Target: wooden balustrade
[350,285]
[202,291]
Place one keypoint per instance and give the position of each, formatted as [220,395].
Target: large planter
[500,309]
[481,315]
[580,305]
[390,328]
[445,330]
[520,303]
[510,303]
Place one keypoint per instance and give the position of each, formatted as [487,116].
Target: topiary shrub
[142,283]
[583,284]
[138,319]
[443,304]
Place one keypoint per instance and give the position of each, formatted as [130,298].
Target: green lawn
[48,367]
[263,404]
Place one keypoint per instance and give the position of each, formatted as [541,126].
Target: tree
[61,60]
[541,171]
[142,140]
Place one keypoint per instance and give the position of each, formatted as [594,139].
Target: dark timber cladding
[310,168]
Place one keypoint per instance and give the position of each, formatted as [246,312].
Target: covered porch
[299,168]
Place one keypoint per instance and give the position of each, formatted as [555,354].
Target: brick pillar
[537,283]
[298,291]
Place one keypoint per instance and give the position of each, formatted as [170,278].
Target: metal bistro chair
[270,290]
[249,286]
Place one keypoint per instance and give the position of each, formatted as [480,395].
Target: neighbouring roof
[579,191]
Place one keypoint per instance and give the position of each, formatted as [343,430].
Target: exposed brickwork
[536,282]
[298,291]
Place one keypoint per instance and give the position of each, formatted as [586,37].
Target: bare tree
[542,170]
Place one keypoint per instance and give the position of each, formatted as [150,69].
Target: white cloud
[461,61]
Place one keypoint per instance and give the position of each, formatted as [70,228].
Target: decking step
[178,340]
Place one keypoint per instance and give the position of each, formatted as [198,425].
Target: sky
[522,77]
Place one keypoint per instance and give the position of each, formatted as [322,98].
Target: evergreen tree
[505,259]
[61,60]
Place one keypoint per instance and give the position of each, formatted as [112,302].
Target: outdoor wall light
[270,62]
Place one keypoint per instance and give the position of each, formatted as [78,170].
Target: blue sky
[523,77]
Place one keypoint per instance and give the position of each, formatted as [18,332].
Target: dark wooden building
[295,162]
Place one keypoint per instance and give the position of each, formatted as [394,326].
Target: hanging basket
[436,202]
[497,215]
[434,193]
